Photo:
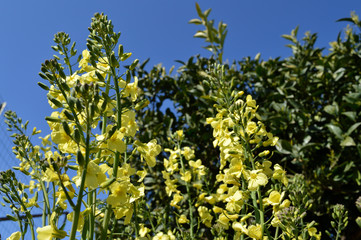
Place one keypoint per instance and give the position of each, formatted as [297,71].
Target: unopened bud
[80,158]
[107,183]
[142,104]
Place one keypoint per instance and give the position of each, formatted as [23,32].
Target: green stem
[91,203]
[82,183]
[261,210]
[45,193]
[65,191]
[117,155]
[276,233]
[67,57]
[189,197]
[136,220]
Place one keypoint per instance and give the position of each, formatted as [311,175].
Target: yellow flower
[180,134]
[176,199]
[49,232]
[312,231]
[60,194]
[80,226]
[132,90]
[271,140]
[170,184]
[183,219]
[250,102]
[143,231]
[251,128]
[128,121]
[186,176]
[280,174]
[115,142]
[14,236]
[149,151]
[188,153]
[119,193]
[94,177]
[83,63]
[255,231]
[255,179]
[124,211]
[274,198]
[162,236]
[206,217]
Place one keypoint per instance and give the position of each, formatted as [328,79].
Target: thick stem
[189,197]
[82,183]
[261,210]
[117,155]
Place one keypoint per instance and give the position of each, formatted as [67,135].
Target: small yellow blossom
[149,151]
[206,217]
[255,179]
[255,231]
[115,142]
[183,219]
[14,236]
[280,174]
[176,199]
[143,231]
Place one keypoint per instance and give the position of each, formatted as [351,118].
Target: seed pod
[93,110]
[68,115]
[120,50]
[76,135]
[134,64]
[7,200]
[66,128]
[71,102]
[112,131]
[52,119]
[42,85]
[55,102]
[107,183]
[99,76]
[79,106]
[80,158]
[142,104]
[12,218]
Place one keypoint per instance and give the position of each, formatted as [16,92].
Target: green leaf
[288,37]
[200,34]
[345,20]
[348,142]
[331,109]
[335,130]
[199,11]
[339,74]
[284,146]
[353,128]
[351,115]
[207,12]
[195,21]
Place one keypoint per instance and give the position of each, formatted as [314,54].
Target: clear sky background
[155,29]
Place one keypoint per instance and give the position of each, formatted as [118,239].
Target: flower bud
[142,104]
[12,218]
[66,128]
[76,135]
[68,115]
[42,85]
[107,183]
[80,158]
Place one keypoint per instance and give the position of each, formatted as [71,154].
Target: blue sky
[157,29]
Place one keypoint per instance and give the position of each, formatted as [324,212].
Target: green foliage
[311,100]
